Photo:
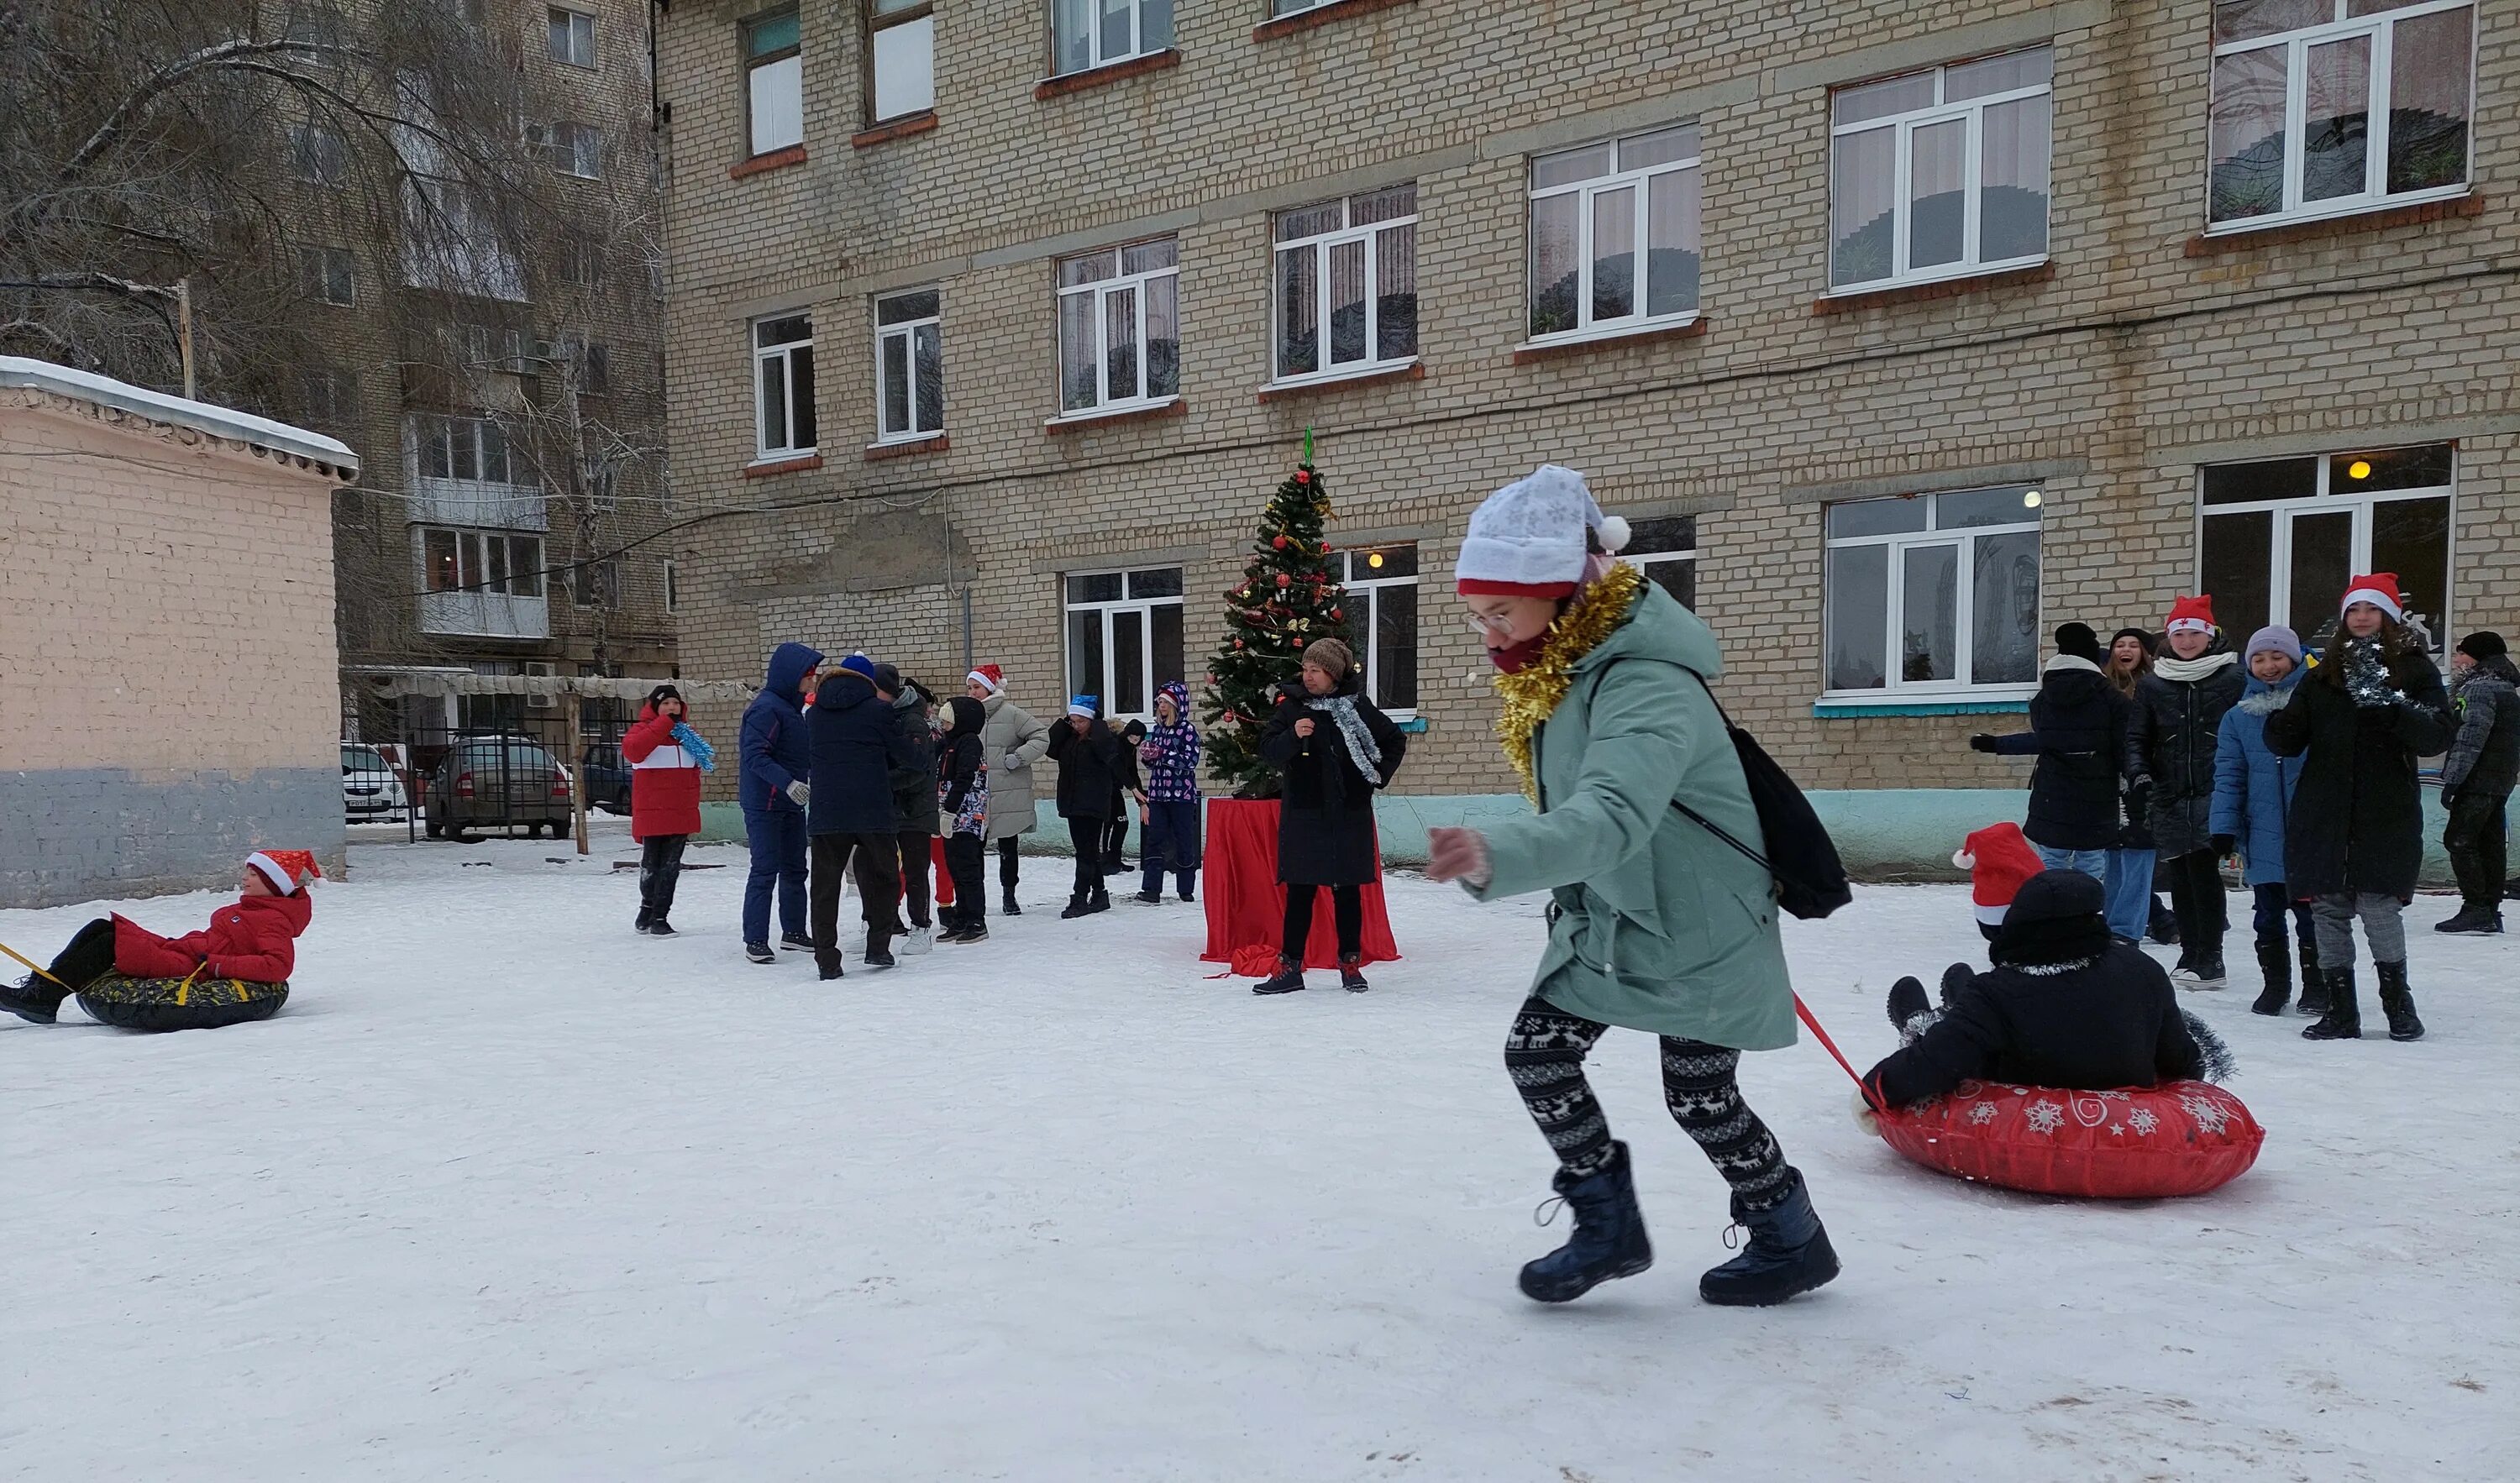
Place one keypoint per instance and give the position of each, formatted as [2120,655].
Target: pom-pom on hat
[2191,615]
[1087,706]
[991,676]
[285,870]
[860,665]
[2381,590]
[1526,540]
[1999,860]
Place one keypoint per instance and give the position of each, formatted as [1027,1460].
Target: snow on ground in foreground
[508,1192]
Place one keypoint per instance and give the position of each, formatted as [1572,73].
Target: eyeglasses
[1491,623]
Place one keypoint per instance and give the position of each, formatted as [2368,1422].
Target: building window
[1291,7]
[316,23]
[317,155]
[2322,106]
[1124,638]
[782,386]
[474,449]
[329,395]
[1382,604]
[575,149]
[1615,235]
[572,37]
[773,82]
[325,274]
[901,56]
[483,560]
[489,348]
[1119,327]
[1934,592]
[909,367]
[1666,551]
[1347,279]
[673,588]
[596,584]
[1940,173]
[2281,539]
[1092,34]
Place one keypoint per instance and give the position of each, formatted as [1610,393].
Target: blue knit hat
[1087,706]
[860,665]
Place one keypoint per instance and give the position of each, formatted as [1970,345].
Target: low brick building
[166,631]
[1903,331]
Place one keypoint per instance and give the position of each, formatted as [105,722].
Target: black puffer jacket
[2357,821]
[2077,723]
[1325,814]
[2064,1006]
[858,745]
[1091,766]
[2171,741]
[913,779]
[2485,757]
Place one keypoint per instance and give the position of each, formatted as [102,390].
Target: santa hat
[1999,860]
[991,676]
[2381,590]
[285,870]
[1526,540]
[2191,615]
[1087,706]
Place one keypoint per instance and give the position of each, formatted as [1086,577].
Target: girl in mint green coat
[1656,923]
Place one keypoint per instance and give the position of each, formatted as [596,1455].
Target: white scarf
[2068,662]
[2174,668]
[1361,750]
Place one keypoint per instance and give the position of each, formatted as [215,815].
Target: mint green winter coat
[1661,927]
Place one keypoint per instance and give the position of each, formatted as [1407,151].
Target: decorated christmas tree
[1289,596]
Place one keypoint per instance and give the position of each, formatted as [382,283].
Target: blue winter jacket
[859,744]
[776,749]
[2252,785]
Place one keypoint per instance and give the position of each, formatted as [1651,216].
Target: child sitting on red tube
[255,940]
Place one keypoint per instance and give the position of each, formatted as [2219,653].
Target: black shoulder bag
[1802,860]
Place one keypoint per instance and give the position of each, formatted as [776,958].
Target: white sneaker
[919,940]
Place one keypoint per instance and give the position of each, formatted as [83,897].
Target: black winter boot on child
[1789,1253]
[2340,1016]
[1906,1002]
[1289,978]
[2275,960]
[879,950]
[33,1001]
[1610,1238]
[2398,1002]
[1352,974]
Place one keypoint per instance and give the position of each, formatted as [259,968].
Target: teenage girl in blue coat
[2252,790]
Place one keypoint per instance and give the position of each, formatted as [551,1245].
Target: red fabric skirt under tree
[1246,907]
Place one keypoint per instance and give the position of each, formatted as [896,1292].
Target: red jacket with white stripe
[664,779]
[254,939]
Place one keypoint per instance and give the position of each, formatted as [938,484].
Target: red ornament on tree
[1303,475]
[1282,580]
[1277,541]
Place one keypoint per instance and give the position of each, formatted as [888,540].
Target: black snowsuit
[2077,723]
[913,807]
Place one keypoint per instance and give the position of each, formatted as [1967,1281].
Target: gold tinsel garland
[1531,694]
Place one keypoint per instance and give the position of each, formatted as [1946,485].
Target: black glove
[2225,845]
[1983,742]
[2138,800]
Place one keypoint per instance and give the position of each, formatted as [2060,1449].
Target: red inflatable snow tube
[2178,1138]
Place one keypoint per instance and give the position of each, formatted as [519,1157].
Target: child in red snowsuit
[255,939]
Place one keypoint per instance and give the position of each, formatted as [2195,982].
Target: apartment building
[1901,332]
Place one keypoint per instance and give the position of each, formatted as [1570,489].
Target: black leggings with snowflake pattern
[1544,1054]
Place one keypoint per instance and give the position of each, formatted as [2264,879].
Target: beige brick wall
[2120,372]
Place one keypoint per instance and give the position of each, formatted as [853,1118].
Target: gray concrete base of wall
[105,834]
[1883,834]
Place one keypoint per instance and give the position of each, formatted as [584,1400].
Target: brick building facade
[2111,284]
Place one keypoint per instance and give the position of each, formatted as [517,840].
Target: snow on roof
[182,412]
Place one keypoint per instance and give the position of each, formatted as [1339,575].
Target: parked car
[371,792]
[497,782]
[607,778]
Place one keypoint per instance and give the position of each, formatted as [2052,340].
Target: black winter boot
[2275,960]
[1789,1253]
[1289,978]
[1906,1002]
[2398,1002]
[1352,974]
[2342,1018]
[1958,976]
[1098,899]
[1609,1236]
[2314,983]
[2477,917]
[32,1000]
[1008,905]
[1076,907]
[879,949]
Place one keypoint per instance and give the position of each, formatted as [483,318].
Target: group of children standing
[2305,768]
[1102,774]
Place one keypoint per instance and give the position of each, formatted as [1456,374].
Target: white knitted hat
[1527,539]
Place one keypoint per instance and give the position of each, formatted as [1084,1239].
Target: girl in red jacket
[256,940]
[666,759]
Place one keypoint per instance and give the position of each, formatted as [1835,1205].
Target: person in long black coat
[858,745]
[1325,833]
[914,802]
[2066,1004]
[2354,838]
[1092,764]
[2078,725]
[2178,716]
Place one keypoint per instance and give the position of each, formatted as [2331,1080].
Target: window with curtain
[1941,173]
[901,59]
[1124,639]
[1930,592]
[1347,285]
[1614,236]
[1119,327]
[1092,34]
[909,367]
[774,81]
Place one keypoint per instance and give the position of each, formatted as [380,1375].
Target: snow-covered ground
[508,1193]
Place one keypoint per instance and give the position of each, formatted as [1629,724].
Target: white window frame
[446,430]
[1060,10]
[1644,560]
[788,78]
[907,332]
[1103,291]
[1364,601]
[2362,506]
[1963,614]
[2381,27]
[576,150]
[1585,326]
[913,23]
[1101,685]
[603,576]
[784,352]
[566,51]
[472,567]
[1972,170]
[1319,247]
[1282,8]
[316,264]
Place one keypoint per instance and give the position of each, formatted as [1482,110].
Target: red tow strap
[1803,1011]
